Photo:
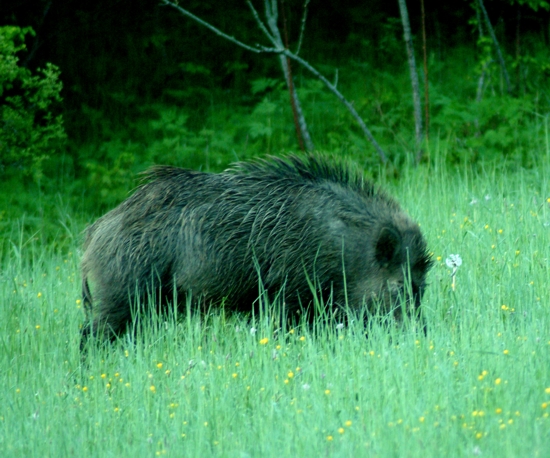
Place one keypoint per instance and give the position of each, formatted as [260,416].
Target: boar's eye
[388,247]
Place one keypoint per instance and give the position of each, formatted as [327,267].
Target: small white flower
[487,197]
[474,201]
[305,386]
[253,331]
[340,326]
[453,261]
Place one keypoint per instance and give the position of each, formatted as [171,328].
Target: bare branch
[412,69]
[342,99]
[271,14]
[217,31]
[302,28]
[37,42]
[497,47]
[481,80]
[274,12]
[261,25]
[299,121]
[426,85]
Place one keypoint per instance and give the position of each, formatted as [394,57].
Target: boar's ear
[388,247]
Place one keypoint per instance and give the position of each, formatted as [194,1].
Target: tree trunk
[302,131]
[497,47]
[275,38]
[344,101]
[414,74]
[426,86]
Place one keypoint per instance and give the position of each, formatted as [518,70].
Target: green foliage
[497,127]
[162,135]
[204,113]
[30,131]
[534,4]
[264,84]
[114,174]
[493,129]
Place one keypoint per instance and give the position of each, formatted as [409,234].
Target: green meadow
[93,93]
[476,384]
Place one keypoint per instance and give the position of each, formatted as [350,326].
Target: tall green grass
[218,385]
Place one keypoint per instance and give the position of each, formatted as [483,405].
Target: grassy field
[477,384]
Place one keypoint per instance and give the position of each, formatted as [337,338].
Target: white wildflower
[454,261]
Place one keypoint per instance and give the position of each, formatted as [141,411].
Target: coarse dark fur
[287,223]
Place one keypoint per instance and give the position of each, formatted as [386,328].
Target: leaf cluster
[30,129]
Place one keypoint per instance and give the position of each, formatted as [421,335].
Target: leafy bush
[30,132]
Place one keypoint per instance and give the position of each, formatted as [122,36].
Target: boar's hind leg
[107,321]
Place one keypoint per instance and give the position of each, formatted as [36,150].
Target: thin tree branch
[479,23]
[480,83]
[302,132]
[302,28]
[497,47]
[272,15]
[518,49]
[37,43]
[300,120]
[426,86]
[396,135]
[217,31]
[342,99]
[280,50]
[412,68]
[261,25]
[291,88]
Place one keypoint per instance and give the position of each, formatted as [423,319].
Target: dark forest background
[119,85]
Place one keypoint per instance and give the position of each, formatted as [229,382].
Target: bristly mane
[310,168]
[164,172]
